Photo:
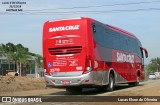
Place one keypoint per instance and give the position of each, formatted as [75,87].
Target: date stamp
[14,6]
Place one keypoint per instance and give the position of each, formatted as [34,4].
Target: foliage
[19,54]
[154,65]
[38,60]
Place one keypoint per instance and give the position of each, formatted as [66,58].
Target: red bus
[83,52]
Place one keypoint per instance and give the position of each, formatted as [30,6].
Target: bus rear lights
[88,69]
[87,80]
[88,65]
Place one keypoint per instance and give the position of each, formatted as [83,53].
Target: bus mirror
[146,53]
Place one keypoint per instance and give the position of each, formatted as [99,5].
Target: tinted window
[114,40]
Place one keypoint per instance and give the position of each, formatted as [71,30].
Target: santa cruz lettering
[121,57]
[64,28]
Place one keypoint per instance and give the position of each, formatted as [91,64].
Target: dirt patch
[17,83]
[36,86]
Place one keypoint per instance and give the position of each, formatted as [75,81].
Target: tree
[17,53]
[154,65]
[38,59]
[20,55]
[5,49]
[1,50]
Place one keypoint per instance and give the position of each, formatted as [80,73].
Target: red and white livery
[83,52]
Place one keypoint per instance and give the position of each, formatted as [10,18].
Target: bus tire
[74,89]
[110,86]
[135,83]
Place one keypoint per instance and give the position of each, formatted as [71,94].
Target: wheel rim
[138,79]
[111,83]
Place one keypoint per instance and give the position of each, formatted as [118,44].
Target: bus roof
[65,19]
[109,26]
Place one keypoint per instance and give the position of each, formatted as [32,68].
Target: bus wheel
[110,86]
[135,83]
[74,89]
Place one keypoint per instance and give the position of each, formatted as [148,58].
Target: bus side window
[94,28]
[126,44]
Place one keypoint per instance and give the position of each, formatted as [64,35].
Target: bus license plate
[66,82]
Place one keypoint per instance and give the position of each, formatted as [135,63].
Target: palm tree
[38,60]
[19,56]
[16,53]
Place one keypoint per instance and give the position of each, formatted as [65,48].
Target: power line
[126,10]
[42,12]
[79,12]
[119,4]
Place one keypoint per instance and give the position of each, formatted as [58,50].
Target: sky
[140,17]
